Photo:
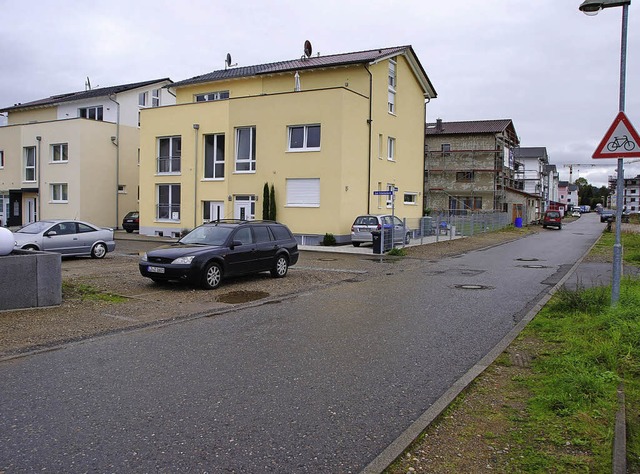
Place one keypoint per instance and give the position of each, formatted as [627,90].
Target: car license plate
[155,269]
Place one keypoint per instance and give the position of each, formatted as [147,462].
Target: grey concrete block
[30,279]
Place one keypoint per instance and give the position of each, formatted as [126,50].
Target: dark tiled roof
[312,62]
[72,96]
[563,184]
[530,152]
[473,126]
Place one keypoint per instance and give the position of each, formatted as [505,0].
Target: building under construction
[470,166]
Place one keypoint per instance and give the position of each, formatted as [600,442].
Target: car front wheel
[98,251]
[212,276]
[356,244]
[280,268]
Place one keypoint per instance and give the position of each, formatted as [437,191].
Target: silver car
[67,237]
[365,224]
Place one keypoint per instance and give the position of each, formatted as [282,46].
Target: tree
[272,204]
[265,202]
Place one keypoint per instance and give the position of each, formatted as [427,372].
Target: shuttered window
[303,192]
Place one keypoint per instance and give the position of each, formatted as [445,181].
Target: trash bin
[518,222]
[377,241]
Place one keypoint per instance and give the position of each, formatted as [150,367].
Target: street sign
[382,193]
[620,141]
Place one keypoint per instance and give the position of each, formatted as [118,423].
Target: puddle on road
[236,297]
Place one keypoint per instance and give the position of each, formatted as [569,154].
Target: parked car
[365,224]
[606,215]
[217,250]
[68,237]
[131,221]
[552,219]
[575,213]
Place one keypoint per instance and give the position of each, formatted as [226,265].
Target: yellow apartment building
[324,131]
[75,155]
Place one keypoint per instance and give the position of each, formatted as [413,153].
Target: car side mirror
[235,243]
[50,233]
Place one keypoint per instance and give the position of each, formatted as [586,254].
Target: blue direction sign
[382,193]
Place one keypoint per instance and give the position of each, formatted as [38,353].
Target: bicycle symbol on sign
[620,142]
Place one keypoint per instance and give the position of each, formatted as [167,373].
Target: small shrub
[329,240]
[397,252]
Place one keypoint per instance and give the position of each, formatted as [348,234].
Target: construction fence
[456,224]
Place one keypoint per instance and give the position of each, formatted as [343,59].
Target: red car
[552,219]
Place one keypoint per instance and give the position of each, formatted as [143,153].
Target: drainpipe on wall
[117,144]
[40,193]
[196,127]
[427,99]
[369,120]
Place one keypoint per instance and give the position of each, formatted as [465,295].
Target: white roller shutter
[303,192]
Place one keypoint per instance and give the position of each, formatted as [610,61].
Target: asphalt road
[322,382]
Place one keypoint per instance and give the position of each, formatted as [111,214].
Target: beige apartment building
[75,155]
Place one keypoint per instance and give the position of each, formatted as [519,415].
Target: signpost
[390,192]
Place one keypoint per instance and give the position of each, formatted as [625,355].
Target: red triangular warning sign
[620,141]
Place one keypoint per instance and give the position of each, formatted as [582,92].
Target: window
[380,149]
[246,149]
[391,149]
[411,198]
[91,113]
[59,193]
[122,189]
[30,164]
[155,98]
[304,138]
[214,156]
[168,199]
[462,204]
[303,192]
[169,152]
[59,153]
[446,149]
[1,159]
[392,189]
[212,211]
[392,86]
[220,95]
[143,99]
[465,176]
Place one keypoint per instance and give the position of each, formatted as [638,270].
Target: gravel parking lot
[110,295]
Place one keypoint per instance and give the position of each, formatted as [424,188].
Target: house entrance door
[32,213]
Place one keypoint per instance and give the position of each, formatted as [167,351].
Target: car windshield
[34,228]
[207,235]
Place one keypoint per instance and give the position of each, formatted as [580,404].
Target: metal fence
[456,224]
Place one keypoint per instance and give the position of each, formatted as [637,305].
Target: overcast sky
[542,63]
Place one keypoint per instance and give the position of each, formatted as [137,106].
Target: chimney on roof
[439,125]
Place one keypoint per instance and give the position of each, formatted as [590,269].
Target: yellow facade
[349,103]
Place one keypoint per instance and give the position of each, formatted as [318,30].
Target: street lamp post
[592,7]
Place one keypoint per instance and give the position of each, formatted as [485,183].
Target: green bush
[328,240]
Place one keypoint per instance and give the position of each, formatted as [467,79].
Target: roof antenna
[227,62]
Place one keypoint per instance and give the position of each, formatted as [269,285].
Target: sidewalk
[366,249]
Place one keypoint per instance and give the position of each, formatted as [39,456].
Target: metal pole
[617,247]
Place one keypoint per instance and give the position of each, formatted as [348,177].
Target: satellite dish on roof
[307,48]
[227,61]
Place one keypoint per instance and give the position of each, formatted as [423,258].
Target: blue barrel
[518,222]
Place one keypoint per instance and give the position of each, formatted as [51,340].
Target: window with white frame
[143,99]
[303,192]
[380,149]
[391,149]
[411,198]
[91,113]
[219,95]
[304,138]
[392,86]
[155,98]
[59,192]
[169,154]
[168,202]
[214,156]
[392,190]
[30,164]
[246,149]
[60,153]
[1,158]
